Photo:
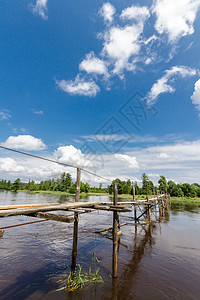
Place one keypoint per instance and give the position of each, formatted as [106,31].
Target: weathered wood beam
[109,228]
[117,209]
[30,211]
[26,206]
[54,217]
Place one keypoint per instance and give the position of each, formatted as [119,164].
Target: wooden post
[75,236]
[159,205]
[149,212]
[115,226]
[78,183]
[135,209]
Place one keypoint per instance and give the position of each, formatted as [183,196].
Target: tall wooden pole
[135,210]
[115,226]
[78,184]
[75,237]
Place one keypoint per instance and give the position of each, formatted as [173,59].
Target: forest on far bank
[65,184]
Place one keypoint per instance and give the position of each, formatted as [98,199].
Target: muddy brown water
[161,261]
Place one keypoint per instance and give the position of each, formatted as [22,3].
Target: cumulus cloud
[79,86]
[4,114]
[129,160]
[164,84]
[10,165]
[71,155]
[175,18]
[120,50]
[40,8]
[196,96]
[107,12]
[138,13]
[92,64]
[24,142]
[122,44]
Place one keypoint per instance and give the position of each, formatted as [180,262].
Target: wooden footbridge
[145,208]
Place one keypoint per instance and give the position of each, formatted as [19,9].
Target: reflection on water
[155,261]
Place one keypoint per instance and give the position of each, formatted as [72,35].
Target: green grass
[78,279]
[63,193]
[185,201]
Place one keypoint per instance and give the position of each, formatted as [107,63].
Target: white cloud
[71,155]
[120,44]
[24,142]
[129,160]
[138,13]
[107,12]
[163,155]
[175,18]
[4,114]
[92,64]
[196,96]
[79,87]
[38,112]
[40,8]
[163,85]
[10,165]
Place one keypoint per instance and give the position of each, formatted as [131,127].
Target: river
[158,261]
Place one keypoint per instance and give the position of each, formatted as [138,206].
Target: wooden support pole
[135,209]
[75,236]
[78,184]
[149,212]
[75,242]
[115,226]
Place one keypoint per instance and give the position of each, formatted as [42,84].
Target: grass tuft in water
[78,279]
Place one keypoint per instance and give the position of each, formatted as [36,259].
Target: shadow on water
[28,283]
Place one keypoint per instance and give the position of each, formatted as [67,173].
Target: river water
[158,261]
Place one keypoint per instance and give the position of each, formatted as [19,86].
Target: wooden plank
[79,210]
[54,217]
[30,211]
[117,209]
[26,206]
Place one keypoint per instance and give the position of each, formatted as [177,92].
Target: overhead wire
[54,161]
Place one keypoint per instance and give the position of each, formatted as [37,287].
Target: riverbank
[185,201]
[58,193]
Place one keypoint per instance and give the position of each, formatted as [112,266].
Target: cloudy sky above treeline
[113,87]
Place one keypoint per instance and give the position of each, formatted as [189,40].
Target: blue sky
[73,74]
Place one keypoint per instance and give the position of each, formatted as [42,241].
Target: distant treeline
[65,184]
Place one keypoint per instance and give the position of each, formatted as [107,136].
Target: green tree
[16,185]
[162,184]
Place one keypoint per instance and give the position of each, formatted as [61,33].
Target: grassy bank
[63,193]
[122,196]
[174,200]
[185,201]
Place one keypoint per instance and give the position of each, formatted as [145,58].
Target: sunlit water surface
[158,262]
